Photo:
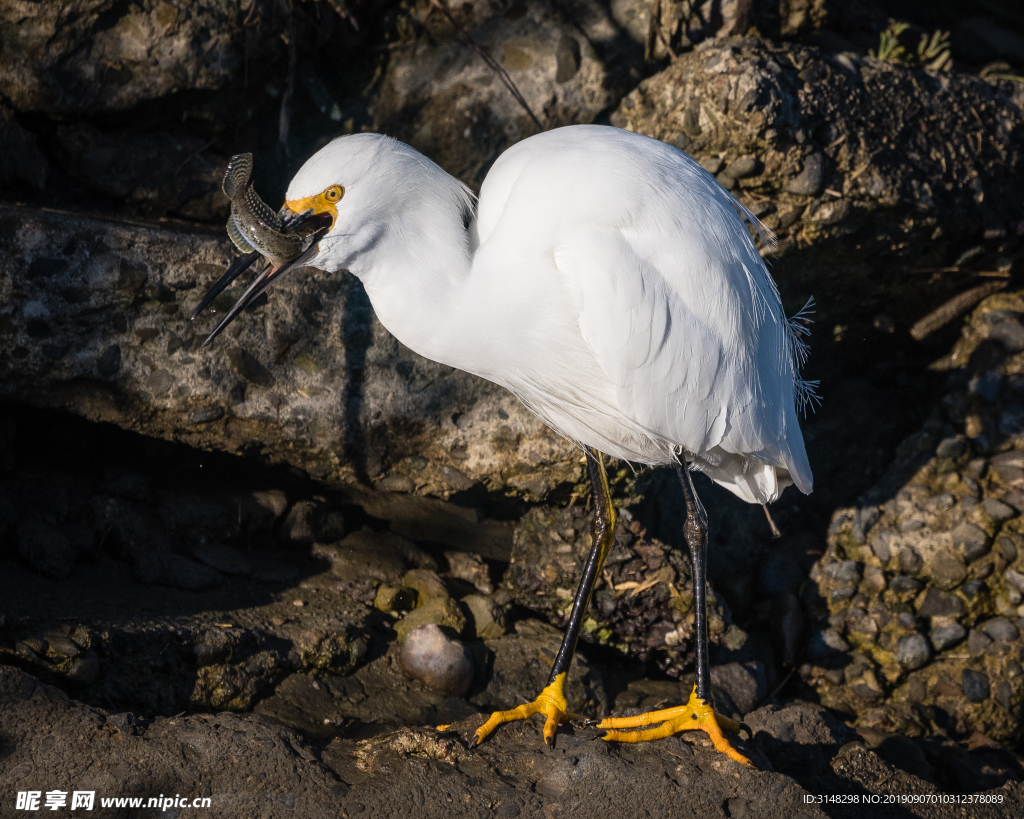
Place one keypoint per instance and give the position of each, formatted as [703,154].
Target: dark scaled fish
[253,226]
[257,231]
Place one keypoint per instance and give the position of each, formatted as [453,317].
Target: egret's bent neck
[416,273]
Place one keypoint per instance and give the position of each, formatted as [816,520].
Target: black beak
[264,280]
[237,268]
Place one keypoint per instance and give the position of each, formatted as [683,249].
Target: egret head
[357,197]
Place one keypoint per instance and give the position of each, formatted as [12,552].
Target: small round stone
[976,686]
[912,651]
[999,628]
[440,662]
[945,637]
[951,448]
[997,510]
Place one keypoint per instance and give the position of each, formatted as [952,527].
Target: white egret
[610,283]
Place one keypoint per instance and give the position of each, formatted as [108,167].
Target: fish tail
[237,175]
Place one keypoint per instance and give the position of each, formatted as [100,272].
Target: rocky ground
[266,572]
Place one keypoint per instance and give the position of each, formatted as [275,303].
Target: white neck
[416,272]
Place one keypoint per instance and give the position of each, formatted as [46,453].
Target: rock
[440,662]
[977,642]
[76,60]
[999,628]
[944,637]
[21,161]
[1008,549]
[224,559]
[947,570]
[742,168]
[1010,334]
[434,604]
[976,686]
[84,670]
[798,737]
[150,278]
[311,521]
[901,584]
[393,598]
[910,560]
[521,666]
[809,181]
[486,618]
[371,555]
[155,174]
[169,569]
[330,646]
[826,644]
[47,548]
[471,568]
[805,114]
[998,511]
[971,541]
[745,683]
[912,651]
[441,98]
[951,448]
[940,604]
[647,610]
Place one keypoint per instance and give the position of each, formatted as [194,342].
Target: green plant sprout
[932,52]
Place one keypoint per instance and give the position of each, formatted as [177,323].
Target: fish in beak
[266,277]
[286,240]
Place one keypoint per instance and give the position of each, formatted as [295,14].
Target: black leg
[696,532]
[603,534]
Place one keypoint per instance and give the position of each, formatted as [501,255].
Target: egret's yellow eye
[334,193]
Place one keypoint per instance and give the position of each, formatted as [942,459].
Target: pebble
[1010,334]
[843,571]
[951,448]
[1008,549]
[85,670]
[971,541]
[944,637]
[912,651]
[938,603]
[440,662]
[999,628]
[977,642]
[488,619]
[1015,579]
[880,546]
[910,561]
[947,570]
[976,685]
[987,385]
[901,584]
[863,521]
[809,181]
[997,510]
[742,168]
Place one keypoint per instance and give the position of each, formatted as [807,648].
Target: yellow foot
[551,703]
[695,715]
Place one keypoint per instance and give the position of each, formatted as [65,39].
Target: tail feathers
[758,478]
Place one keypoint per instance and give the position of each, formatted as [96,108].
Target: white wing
[671,298]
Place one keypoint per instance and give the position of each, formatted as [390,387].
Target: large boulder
[95,320]
[97,56]
[439,95]
[849,160]
[920,591]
